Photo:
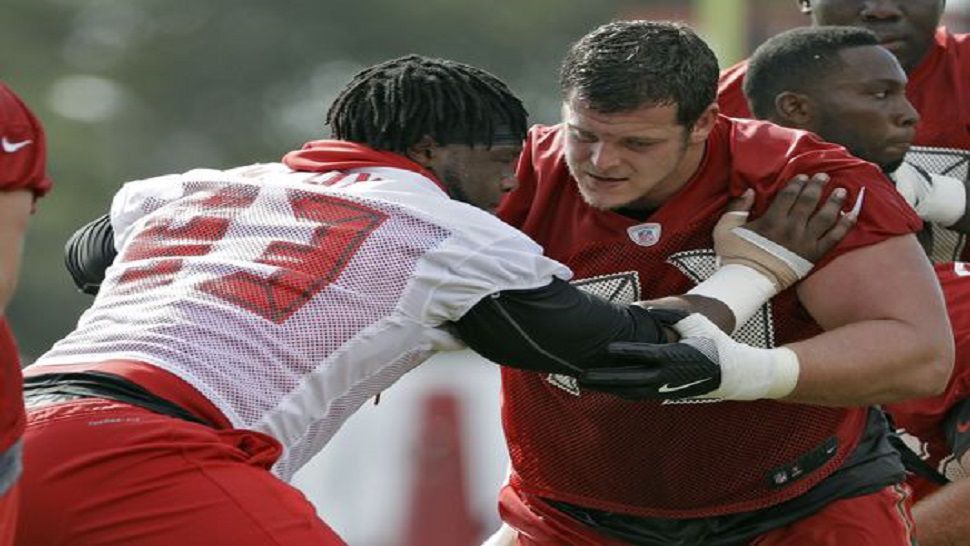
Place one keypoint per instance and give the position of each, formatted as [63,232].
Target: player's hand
[793,233]
[706,362]
[655,371]
[798,220]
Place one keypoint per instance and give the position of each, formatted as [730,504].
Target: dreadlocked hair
[392,105]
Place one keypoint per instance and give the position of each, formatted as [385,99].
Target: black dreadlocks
[392,105]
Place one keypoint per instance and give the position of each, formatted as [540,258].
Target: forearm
[941,518]
[554,329]
[871,362]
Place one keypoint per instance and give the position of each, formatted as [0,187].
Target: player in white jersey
[250,311]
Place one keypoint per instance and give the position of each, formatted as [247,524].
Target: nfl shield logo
[644,234]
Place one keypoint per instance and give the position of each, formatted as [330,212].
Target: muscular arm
[15,207]
[888,337]
[941,518]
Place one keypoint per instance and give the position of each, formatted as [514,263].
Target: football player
[841,84]
[23,179]
[643,148]
[938,86]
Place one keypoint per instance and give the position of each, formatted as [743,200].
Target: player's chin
[600,201]
[892,158]
[604,198]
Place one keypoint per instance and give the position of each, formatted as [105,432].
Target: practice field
[363,481]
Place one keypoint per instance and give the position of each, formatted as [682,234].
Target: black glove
[656,371]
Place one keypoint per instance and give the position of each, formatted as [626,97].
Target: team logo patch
[644,234]
[564,382]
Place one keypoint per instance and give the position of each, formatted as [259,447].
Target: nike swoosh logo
[667,388]
[963,427]
[11,147]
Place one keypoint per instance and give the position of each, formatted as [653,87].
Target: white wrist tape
[736,244]
[936,198]
[799,265]
[747,373]
[743,289]
[758,373]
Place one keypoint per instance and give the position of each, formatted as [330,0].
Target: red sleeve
[955,282]
[23,147]
[767,156]
[730,95]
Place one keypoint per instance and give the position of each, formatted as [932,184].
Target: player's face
[864,107]
[637,158]
[905,27]
[478,175]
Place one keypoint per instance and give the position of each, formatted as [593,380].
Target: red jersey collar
[340,155]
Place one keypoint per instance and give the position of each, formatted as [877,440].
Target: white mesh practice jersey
[289,298]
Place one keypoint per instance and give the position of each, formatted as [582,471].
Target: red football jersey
[921,420]
[690,458]
[939,89]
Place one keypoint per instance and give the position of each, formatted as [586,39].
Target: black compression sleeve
[89,252]
[557,328]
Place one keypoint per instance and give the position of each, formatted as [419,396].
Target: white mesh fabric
[947,244]
[287,320]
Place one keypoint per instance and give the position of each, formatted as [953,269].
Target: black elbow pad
[89,252]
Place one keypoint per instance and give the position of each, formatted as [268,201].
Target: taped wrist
[936,198]
[747,373]
[740,287]
[759,374]
[735,244]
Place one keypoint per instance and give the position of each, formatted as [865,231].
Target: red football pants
[102,472]
[879,519]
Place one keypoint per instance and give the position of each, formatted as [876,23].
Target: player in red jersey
[625,191]
[938,65]
[23,178]
[840,84]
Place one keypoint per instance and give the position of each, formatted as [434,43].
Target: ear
[424,152]
[805,6]
[794,110]
[704,124]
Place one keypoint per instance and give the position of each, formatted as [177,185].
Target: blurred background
[132,89]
